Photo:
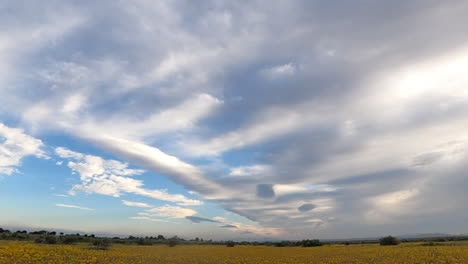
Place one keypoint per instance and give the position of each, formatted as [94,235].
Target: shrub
[389,241]
[69,240]
[230,243]
[39,240]
[173,241]
[51,240]
[144,242]
[311,243]
[101,244]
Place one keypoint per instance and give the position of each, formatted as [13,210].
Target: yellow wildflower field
[22,253]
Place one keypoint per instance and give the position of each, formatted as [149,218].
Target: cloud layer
[306,117]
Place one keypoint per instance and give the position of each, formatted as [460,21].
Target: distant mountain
[405,236]
[428,235]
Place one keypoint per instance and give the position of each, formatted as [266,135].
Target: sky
[234,119]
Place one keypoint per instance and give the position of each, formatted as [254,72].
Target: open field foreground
[19,252]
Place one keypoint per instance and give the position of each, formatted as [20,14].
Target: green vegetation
[389,241]
[101,243]
[51,237]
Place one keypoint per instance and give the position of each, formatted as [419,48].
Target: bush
[39,240]
[173,241]
[230,243]
[311,243]
[51,240]
[69,240]
[101,244]
[144,242]
[389,241]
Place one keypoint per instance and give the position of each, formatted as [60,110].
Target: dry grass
[21,253]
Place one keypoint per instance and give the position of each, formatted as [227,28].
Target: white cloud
[74,207]
[147,219]
[386,206]
[154,158]
[248,228]
[111,177]
[61,195]
[171,211]
[220,219]
[279,71]
[253,170]
[387,200]
[285,189]
[66,153]
[175,119]
[14,146]
[136,204]
[267,125]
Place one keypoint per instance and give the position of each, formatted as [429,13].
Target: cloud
[265,191]
[67,154]
[136,204]
[61,195]
[171,212]
[254,170]
[269,124]
[197,219]
[279,71]
[229,226]
[306,207]
[111,177]
[340,118]
[153,158]
[147,219]
[14,146]
[178,118]
[74,207]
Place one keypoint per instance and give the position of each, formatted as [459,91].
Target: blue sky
[244,120]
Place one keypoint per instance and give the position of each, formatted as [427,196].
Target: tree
[69,239]
[144,242]
[389,241]
[101,244]
[51,240]
[173,241]
[230,243]
[311,243]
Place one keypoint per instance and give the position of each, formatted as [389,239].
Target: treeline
[436,239]
[52,237]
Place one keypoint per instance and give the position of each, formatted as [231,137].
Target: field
[25,252]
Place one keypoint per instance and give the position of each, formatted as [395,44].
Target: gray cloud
[229,226]
[426,159]
[196,219]
[306,207]
[265,191]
